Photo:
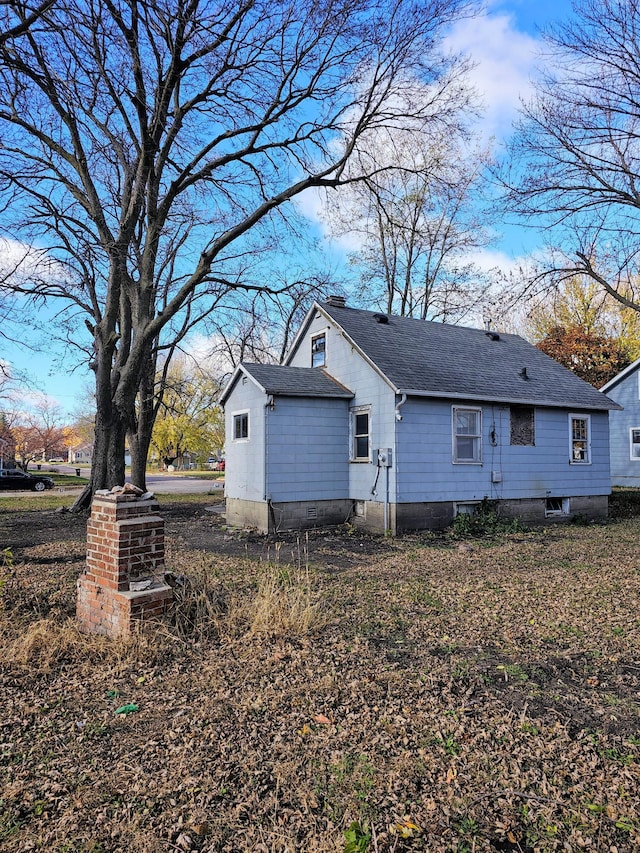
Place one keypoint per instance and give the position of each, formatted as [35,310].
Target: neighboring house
[624,426]
[394,423]
[80,453]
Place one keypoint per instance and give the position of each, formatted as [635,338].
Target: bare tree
[17,18]
[259,326]
[39,432]
[418,225]
[575,159]
[145,144]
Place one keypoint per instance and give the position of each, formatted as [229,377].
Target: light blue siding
[245,470]
[426,471]
[307,449]
[625,471]
[299,447]
[370,389]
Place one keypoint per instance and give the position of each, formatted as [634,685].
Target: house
[80,453]
[394,423]
[624,426]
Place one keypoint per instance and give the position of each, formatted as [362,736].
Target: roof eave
[240,370]
[552,404]
[620,376]
[314,394]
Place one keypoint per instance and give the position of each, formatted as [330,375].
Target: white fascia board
[240,370]
[620,376]
[302,331]
[316,307]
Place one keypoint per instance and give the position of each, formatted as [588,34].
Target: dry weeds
[419,696]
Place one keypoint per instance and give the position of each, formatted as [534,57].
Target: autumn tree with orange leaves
[594,358]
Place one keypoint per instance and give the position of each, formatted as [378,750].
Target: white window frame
[234,419]
[315,338]
[353,435]
[632,442]
[575,416]
[455,435]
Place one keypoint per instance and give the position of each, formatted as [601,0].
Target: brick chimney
[337,301]
[123,583]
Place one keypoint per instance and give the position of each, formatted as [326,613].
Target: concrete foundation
[370,515]
[273,517]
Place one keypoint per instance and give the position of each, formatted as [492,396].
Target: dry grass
[285,604]
[410,695]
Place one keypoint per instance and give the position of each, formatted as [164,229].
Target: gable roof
[422,358]
[289,381]
[620,376]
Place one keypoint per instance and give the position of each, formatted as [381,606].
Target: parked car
[13,478]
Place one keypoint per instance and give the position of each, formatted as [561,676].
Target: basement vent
[312,513]
[359,509]
[556,506]
[467,508]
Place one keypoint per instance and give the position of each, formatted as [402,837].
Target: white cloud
[504,60]
[20,264]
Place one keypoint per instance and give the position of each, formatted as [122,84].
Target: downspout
[386,502]
[269,405]
[399,404]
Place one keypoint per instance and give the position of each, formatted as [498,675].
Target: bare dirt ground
[329,692]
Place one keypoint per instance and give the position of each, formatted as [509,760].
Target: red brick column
[123,583]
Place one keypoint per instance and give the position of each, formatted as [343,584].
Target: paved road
[175,484]
[163,484]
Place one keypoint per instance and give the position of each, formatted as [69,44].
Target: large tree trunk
[144,418]
[107,465]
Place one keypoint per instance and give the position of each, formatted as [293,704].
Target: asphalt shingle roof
[296,381]
[434,359]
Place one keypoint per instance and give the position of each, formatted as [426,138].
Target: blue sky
[503,42]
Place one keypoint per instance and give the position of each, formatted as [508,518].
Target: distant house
[80,453]
[394,423]
[625,426]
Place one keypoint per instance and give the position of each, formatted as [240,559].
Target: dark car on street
[14,478]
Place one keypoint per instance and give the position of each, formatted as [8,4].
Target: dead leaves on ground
[447,701]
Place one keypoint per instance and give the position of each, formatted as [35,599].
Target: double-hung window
[241,426]
[467,435]
[361,434]
[319,350]
[580,439]
[634,444]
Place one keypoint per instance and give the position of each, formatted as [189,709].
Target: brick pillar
[122,584]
